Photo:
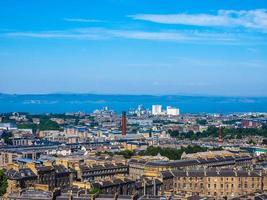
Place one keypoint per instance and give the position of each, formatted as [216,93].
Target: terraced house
[214,182]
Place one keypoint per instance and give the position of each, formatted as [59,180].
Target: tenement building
[214,182]
[98,172]
[141,167]
[46,176]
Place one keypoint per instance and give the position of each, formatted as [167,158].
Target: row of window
[222,178]
[226,186]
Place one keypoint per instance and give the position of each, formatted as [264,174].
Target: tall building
[156,109]
[172,111]
[123,123]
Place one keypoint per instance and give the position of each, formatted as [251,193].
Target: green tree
[27,126]
[171,153]
[126,153]
[95,191]
[3,183]
[47,124]
[202,121]
[174,133]
[7,137]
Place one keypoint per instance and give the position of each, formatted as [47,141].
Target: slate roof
[25,173]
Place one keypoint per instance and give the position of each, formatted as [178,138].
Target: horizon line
[123,94]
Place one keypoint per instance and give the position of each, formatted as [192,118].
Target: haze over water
[60,103]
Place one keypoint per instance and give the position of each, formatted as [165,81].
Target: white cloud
[79,34]
[253,19]
[100,34]
[82,20]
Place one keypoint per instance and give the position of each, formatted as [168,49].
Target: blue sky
[203,47]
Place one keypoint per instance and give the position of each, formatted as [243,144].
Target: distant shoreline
[61,103]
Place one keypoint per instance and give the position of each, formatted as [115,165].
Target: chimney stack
[123,123]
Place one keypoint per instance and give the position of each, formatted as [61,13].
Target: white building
[172,111]
[156,109]
[7,126]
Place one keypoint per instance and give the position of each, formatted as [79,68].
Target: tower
[220,140]
[123,123]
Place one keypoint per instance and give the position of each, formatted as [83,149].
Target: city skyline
[125,47]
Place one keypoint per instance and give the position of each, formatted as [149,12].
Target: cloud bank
[252,19]
[167,35]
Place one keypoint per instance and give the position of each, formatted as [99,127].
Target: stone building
[97,172]
[47,176]
[141,167]
[214,182]
[126,186]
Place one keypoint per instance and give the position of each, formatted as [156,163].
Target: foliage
[47,124]
[95,191]
[3,183]
[27,126]
[213,131]
[174,133]
[126,153]
[109,153]
[7,137]
[202,121]
[172,154]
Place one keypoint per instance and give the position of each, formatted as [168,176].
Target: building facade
[214,182]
